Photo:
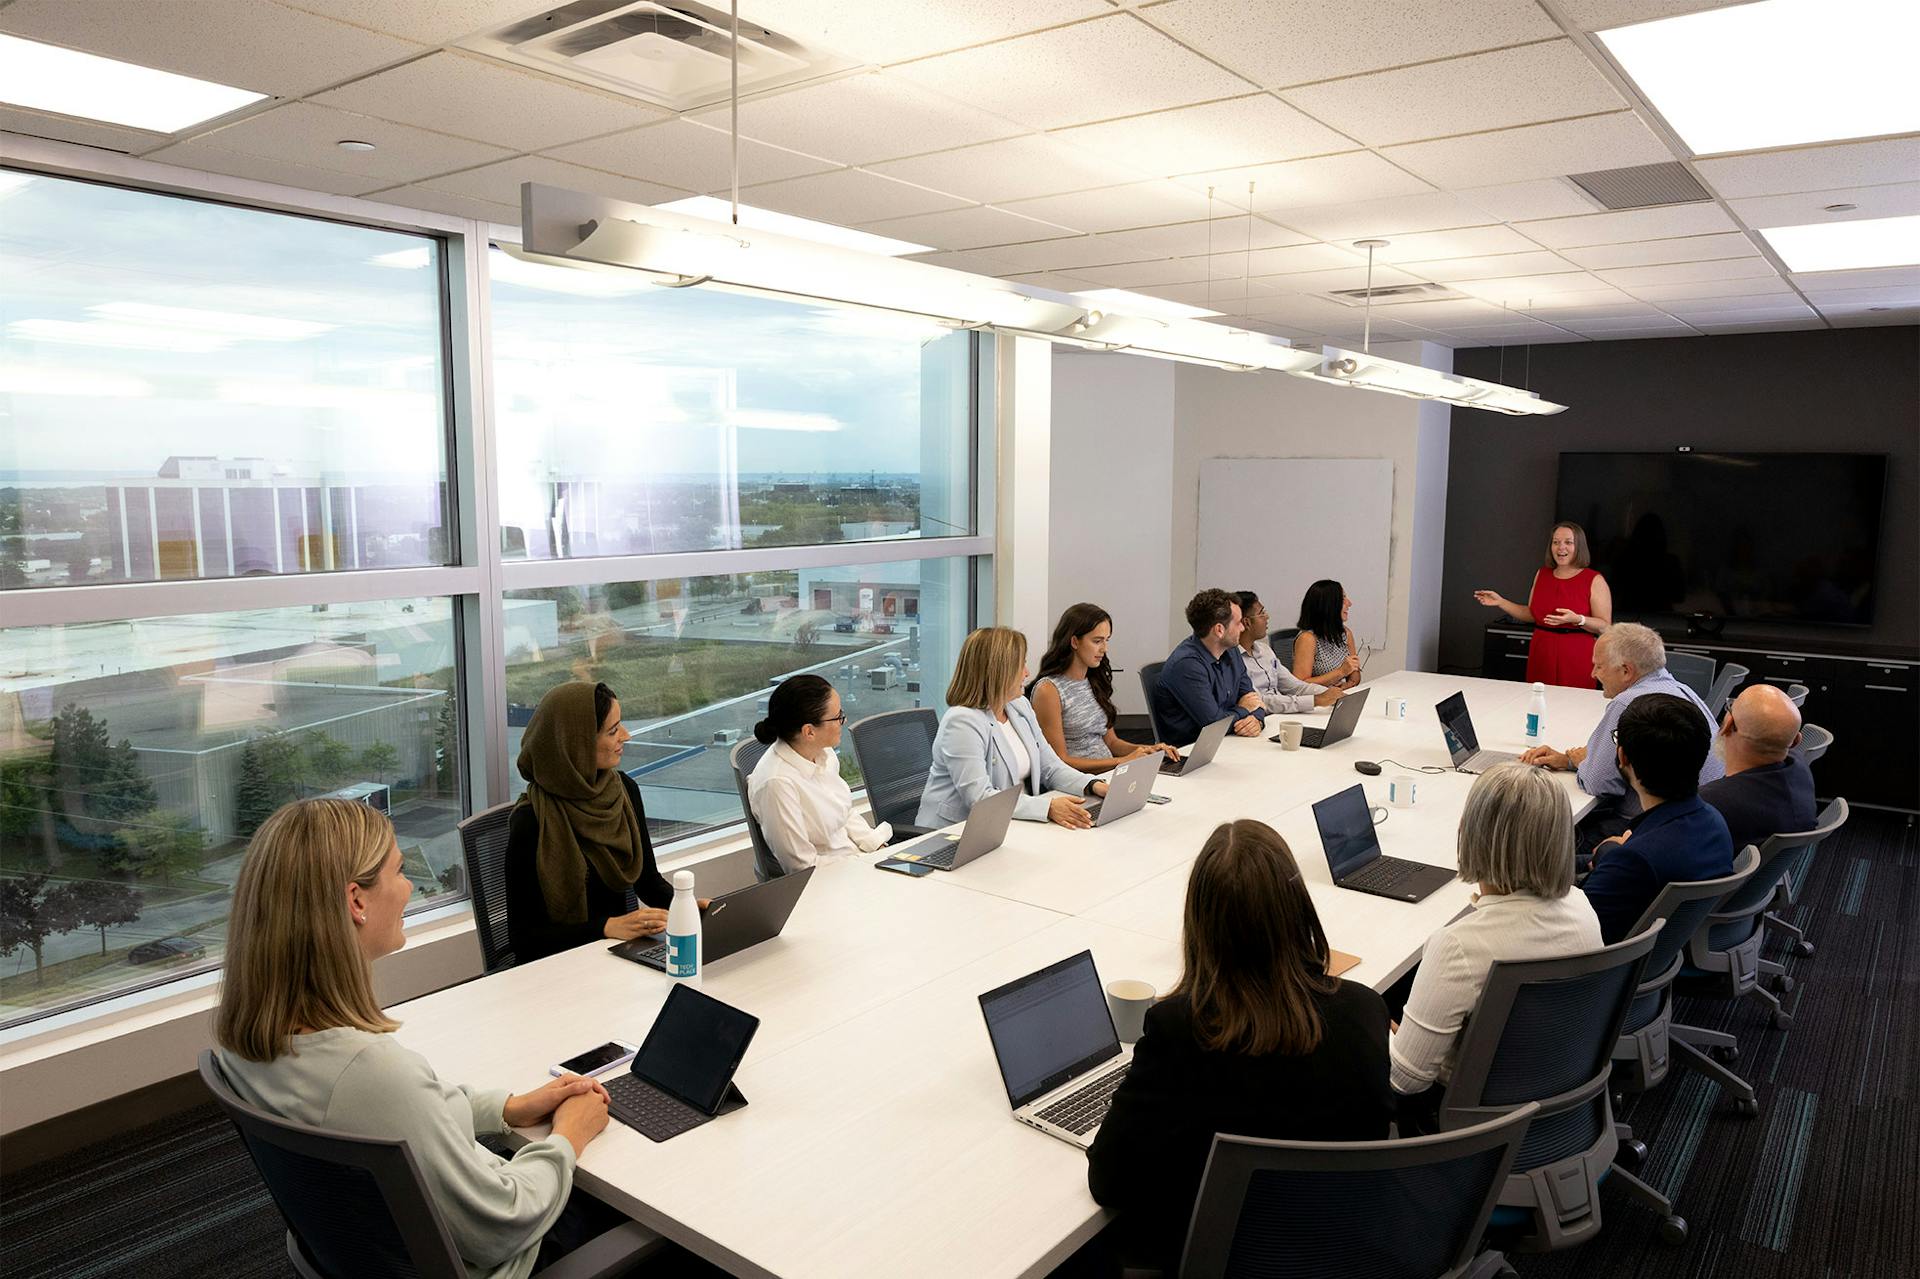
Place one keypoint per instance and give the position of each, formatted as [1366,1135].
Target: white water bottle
[683,930]
[1537,715]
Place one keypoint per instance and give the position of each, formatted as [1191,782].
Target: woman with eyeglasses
[804,807]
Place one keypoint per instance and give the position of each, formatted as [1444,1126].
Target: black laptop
[1346,713]
[1353,852]
[729,924]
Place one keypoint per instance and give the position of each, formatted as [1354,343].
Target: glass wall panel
[635,420]
[692,660]
[194,390]
[137,757]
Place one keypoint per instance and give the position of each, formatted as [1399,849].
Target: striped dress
[1328,654]
[1082,722]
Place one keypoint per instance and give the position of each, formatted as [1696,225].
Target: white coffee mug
[1128,1001]
[1395,707]
[1403,791]
[1290,731]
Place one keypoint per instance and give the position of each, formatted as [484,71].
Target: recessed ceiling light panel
[46,77]
[1847,246]
[708,206]
[1777,73]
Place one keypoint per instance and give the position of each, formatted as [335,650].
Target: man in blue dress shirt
[1204,678]
[1678,836]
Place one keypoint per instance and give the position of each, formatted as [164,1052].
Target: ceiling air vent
[1388,294]
[673,53]
[1644,186]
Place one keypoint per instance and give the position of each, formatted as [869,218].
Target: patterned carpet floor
[1823,1184]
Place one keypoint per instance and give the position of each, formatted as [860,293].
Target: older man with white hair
[1629,661]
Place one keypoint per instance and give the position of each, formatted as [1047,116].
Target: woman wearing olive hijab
[577,845]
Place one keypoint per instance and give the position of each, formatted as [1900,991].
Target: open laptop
[1462,742]
[985,830]
[743,918]
[1059,1055]
[1353,852]
[682,1076]
[1346,713]
[1127,789]
[1204,747]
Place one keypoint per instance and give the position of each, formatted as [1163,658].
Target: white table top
[877,1139]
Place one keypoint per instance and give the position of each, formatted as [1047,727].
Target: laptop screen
[694,1047]
[1346,831]
[1457,726]
[1049,1027]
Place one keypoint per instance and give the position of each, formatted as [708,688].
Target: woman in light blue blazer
[989,740]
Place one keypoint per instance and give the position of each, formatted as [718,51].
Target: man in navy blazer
[1205,678]
[1678,836]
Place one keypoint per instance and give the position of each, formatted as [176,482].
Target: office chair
[1695,670]
[1642,1054]
[1797,694]
[483,848]
[1725,684]
[1149,685]
[1799,859]
[1542,1035]
[1412,1207]
[357,1206]
[1814,742]
[1281,641]
[895,752]
[743,758]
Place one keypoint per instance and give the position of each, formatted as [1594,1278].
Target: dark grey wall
[1846,390]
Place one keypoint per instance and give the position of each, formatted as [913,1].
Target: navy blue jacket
[1770,800]
[1196,689]
[1678,841]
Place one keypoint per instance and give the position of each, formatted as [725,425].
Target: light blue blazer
[970,762]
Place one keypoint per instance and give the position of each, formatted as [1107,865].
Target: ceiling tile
[303,133]
[1298,258]
[1012,169]
[1525,201]
[1784,301]
[1182,239]
[1688,272]
[1857,318]
[1538,262]
[1058,281]
[1896,199]
[683,154]
[1632,224]
[209,158]
[969,228]
[1256,129]
[1496,90]
[1303,311]
[972,261]
[1327,281]
[1113,66]
[1715,313]
[1846,164]
[1139,275]
[1600,15]
[870,116]
[1198,294]
[1319,39]
[1137,204]
[1069,253]
[1693,248]
[1445,312]
[458,206]
[1298,184]
[1527,291]
[1809,321]
[262,47]
[86,133]
[1754,286]
[1465,242]
[1632,334]
[474,98]
[847,197]
[1649,323]
[1893,277]
[884,31]
[1883,295]
[1533,151]
[1395,215]
[500,183]
[428,21]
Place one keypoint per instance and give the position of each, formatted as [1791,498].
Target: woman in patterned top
[1073,695]
[1324,651]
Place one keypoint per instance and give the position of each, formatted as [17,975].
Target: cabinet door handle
[1887,688]
[1780,657]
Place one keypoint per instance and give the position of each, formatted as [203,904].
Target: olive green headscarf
[584,813]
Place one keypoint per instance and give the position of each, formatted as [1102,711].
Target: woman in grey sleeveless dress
[1324,651]
[1073,694]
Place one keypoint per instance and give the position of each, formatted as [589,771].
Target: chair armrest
[606,1255]
[901,834]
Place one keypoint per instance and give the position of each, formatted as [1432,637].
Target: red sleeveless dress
[1562,657]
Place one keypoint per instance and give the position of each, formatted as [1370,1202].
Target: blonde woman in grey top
[1073,697]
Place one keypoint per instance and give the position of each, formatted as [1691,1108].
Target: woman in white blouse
[1516,843]
[804,807]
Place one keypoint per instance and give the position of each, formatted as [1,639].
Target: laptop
[1059,1055]
[1346,713]
[1127,789]
[1462,742]
[682,1076]
[743,918]
[1353,852]
[985,830]
[1204,747]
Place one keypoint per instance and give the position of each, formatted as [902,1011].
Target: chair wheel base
[1804,949]
[1783,984]
[1782,1020]
[1746,1107]
[1673,1231]
[1724,1054]
[1631,1155]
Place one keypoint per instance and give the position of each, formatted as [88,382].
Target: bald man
[1768,789]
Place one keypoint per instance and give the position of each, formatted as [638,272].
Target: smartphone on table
[595,1061]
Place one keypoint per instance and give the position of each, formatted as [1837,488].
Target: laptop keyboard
[1081,1112]
[1312,736]
[638,1104]
[1382,872]
[943,858]
[652,954]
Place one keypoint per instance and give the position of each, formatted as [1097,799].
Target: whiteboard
[1275,526]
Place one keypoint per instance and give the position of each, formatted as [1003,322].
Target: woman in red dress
[1570,604]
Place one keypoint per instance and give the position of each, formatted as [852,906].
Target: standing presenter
[1570,604]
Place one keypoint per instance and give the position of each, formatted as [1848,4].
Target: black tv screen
[1773,537]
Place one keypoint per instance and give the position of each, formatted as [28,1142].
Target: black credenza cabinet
[1870,704]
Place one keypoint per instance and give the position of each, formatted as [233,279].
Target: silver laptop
[1204,748]
[985,830]
[1059,1055]
[1127,789]
[1462,742]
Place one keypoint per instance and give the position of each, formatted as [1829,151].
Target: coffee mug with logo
[1395,707]
[1403,791]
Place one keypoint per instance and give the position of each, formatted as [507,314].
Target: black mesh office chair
[895,753]
[1281,641]
[1149,685]
[1695,670]
[743,758]
[1413,1207]
[483,847]
[1725,684]
[357,1207]
[1787,891]
[1543,1033]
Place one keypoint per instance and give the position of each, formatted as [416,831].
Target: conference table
[878,1139]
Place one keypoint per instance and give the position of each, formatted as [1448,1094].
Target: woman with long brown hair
[1073,695]
[1254,1039]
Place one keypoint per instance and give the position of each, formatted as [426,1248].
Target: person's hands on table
[1328,698]
[526,1108]
[1549,758]
[1246,726]
[1069,811]
[580,1118]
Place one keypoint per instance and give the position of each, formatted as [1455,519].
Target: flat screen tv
[1764,537]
